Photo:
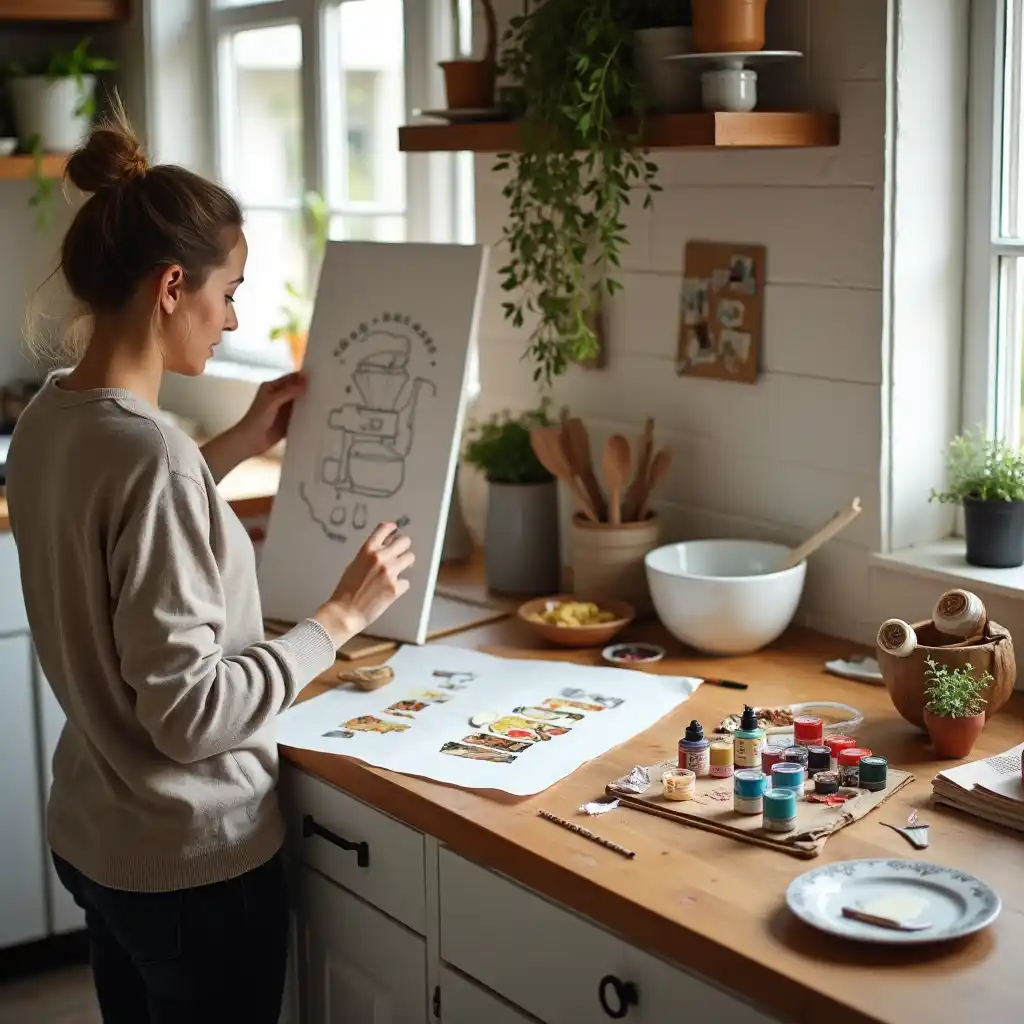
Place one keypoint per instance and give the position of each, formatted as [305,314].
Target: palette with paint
[837,719]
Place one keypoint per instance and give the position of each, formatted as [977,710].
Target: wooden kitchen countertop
[249,489]
[717,905]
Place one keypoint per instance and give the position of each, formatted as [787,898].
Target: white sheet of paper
[617,704]
[376,436]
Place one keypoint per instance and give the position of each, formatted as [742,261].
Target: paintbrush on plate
[854,914]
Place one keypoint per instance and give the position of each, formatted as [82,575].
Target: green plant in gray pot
[986,476]
[521,536]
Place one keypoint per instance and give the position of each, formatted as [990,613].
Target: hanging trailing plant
[580,161]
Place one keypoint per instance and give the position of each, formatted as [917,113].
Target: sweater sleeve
[193,699]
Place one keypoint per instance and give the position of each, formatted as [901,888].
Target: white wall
[776,459]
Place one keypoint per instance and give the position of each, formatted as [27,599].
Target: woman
[140,584]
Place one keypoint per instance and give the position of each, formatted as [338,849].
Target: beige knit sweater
[140,584]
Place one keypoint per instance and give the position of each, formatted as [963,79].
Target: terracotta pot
[469,84]
[954,737]
[297,346]
[728,26]
[905,679]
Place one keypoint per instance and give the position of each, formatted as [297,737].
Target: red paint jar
[835,744]
[807,730]
[771,753]
[849,765]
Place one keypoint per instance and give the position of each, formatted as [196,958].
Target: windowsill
[944,561]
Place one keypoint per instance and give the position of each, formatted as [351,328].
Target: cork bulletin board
[722,321]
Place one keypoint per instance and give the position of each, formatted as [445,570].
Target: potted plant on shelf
[521,535]
[955,712]
[576,171]
[469,84]
[986,476]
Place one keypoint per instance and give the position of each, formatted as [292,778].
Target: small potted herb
[469,84]
[955,712]
[986,476]
[521,536]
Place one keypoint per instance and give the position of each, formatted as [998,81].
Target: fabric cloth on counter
[140,585]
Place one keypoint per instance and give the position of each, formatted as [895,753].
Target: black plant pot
[995,533]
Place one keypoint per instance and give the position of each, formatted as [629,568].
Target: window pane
[261,113]
[366,106]
[240,3]
[1013,140]
[356,228]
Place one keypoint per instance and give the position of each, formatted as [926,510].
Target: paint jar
[798,755]
[835,744]
[748,740]
[779,810]
[826,782]
[819,759]
[807,730]
[679,784]
[789,775]
[721,759]
[749,786]
[849,765]
[872,772]
[694,750]
[771,754]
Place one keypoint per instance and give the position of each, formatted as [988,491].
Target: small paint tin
[819,759]
[849,765]
[634,655]
[679,784]
[798,755]
[749,787]
[721,759]
[835,744]
[872,772]
[771,754]
[789,775]
[779,810]
[826,782]
[807,730]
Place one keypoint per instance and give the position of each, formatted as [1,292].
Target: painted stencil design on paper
[385,372]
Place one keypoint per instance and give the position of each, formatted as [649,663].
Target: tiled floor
[63,996]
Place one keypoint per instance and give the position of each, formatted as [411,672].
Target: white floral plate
[916,892]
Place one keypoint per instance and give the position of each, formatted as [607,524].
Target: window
[994,300]
[309,98]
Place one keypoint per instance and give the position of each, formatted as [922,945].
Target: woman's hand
[369,585]
[266,422]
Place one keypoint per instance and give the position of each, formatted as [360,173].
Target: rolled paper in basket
[959,613]
[897,638]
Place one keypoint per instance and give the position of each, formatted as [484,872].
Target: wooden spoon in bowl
[547,446]
[576,442]
[659,468]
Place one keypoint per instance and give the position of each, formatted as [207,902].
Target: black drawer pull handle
[310,828]
[625,993]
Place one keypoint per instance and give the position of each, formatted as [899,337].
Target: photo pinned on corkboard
[721,311]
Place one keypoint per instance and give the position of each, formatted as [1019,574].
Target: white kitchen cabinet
[357,965]
[65,915]
[22,878]
[465,1002]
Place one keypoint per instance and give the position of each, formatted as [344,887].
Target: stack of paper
[991,789]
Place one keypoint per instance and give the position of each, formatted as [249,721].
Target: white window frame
[991,366]
[436,184]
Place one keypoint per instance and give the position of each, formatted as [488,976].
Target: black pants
[208,955]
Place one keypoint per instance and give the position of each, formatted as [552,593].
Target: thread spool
[897,638]
[679,784]
[789,775]
[749,787]
[779,810]
[959,613]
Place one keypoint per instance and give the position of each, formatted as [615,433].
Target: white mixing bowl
[724,596]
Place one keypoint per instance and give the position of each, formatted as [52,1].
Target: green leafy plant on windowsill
[569,185]
[984,468]
[500,446]
[954,692]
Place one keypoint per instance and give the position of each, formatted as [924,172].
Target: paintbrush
[727,684]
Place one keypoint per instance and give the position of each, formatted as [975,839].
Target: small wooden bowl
[577,636]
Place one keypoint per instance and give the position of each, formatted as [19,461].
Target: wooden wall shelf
[757,130]
[64,10]
[21,168]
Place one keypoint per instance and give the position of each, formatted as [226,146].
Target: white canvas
[375,437]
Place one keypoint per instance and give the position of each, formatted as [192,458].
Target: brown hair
[138,220]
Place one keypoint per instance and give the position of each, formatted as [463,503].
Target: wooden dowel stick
[587,834]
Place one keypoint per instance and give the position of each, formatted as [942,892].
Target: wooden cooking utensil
[615,466]
[576,442]
[634,494]
[547,446]
[838,522]
[659,468]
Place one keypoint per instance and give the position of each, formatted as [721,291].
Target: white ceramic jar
[729,89]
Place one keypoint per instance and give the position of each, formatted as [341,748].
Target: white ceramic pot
[56,110]
[729,89]
[724,596]
[670,86]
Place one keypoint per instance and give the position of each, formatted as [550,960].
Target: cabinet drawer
[13,617]
[393,878]
[465,1002]
[555,964]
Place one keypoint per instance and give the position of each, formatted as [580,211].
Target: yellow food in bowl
[573,613]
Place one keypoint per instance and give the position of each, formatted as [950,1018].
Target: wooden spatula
[576,441]
[615,466]
[838,522]
[547,446]
[634,494]
[658,471]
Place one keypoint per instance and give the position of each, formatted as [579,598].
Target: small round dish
[568,633]
[633,655]
[7,145]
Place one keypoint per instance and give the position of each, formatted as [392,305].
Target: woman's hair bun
[110,157]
